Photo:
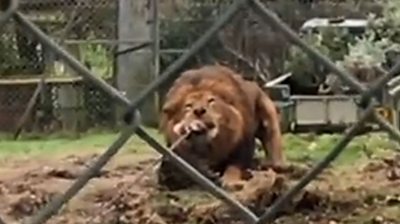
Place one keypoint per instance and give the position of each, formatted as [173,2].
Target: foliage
[301,65]
[9,60]
[365,53]
[331,42]
[381,36]
[368,52]
[99,58]
[387,26]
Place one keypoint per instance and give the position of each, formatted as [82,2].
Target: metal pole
[156,46]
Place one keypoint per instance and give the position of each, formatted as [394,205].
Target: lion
[230,112]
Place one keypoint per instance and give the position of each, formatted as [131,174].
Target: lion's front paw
[233,185]
[232,179]
[279,167]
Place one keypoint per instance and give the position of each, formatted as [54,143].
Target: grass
[300,148]
[309,148]
[56,144]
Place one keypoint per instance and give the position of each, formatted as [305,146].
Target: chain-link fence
[87,30]
[367,102]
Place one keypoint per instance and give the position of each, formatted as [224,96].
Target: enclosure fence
[367,102]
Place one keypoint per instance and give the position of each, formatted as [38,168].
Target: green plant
[368,52]
[303,67]
[99,59]
[387,25]
[9,59]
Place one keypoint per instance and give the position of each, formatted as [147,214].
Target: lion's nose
[199,111]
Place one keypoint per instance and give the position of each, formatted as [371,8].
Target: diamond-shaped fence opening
[77,66]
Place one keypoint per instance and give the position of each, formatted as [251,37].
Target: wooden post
[156,47]
[134,70]
[69,96]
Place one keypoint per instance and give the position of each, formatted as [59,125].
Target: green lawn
[312,147]
[56,144]
[300,148]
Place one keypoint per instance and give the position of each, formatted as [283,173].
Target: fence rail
[132,116]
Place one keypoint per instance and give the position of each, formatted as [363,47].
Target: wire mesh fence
[53,46]
[63,104]
[87,30]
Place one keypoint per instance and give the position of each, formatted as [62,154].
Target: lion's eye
[211,100]
[188,106]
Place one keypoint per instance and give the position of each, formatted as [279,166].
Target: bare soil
[127,192]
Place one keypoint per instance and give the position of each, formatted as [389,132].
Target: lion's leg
[237,165]
[269,132]
[232,177]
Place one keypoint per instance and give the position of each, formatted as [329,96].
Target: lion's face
[200,113]
[215,120]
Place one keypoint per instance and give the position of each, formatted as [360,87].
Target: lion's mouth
[207,128]
[197,127]
[201,139]
[212,130]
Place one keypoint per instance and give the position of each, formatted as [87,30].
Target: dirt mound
[127,204]
[128,193]
[366,191]
[257,194]
[29,202]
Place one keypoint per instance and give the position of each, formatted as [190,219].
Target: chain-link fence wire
[272,19]
[64,104]
[56,204]
[48,111]
[87,30]
[82,70]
